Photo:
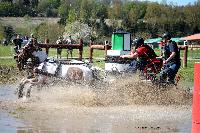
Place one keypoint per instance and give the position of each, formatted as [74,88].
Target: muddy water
[122,107]
[8,123]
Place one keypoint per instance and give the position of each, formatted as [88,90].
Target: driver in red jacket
[144,53]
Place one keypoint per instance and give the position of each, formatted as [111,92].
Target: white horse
[72,71]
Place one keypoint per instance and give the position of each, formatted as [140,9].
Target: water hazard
[121,107]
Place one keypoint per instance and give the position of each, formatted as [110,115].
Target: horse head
[22,57]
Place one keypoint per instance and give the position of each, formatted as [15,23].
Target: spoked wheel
[150,73]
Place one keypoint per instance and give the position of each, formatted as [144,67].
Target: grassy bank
[24,22]
[6,51]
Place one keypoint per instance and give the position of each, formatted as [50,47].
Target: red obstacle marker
[196,100]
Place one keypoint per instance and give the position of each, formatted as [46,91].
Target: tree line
[147,19]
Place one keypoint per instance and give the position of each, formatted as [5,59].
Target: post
[106,48]
[185,57]
[46,41]
[196,100]
[80,49]
[91,51]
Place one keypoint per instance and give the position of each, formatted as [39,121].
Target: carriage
[74,70]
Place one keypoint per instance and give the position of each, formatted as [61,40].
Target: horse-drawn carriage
[38,66]
[74,70]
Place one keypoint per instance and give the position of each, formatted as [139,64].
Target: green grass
[6,50]
[7,62]
[188,73]
[96,53]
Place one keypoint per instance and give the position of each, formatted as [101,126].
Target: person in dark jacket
[171,62]
[18,43]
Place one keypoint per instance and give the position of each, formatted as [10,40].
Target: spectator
[25,40]
[69,50]
[32,40]
[59,50]
[18,43]
[5,42]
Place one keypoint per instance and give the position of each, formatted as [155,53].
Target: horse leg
[31,82]
[20,88]
[28,91]
[20,91]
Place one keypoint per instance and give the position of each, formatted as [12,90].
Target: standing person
[172,61]
[32,36]
[144,52]
[30,41]
[18,43]
[59,50]
[25,40]
[69,50]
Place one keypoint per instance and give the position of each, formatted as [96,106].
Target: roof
[121,32]
[177,39]
[192,37]
[153,40]
[158,40]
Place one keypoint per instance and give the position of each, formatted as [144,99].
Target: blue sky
[177,2]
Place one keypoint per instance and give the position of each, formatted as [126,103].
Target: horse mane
[23,55]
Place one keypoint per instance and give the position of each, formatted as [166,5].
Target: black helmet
[138,42]
[166,36]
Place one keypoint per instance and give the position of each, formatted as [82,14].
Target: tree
[78,30]
[99,10]
[192,17]
[153,18]
[103,29]
[63,10]
[34,3]
[51,31]
[49,7]
[114,12]
[26,3]
[5,9]
[1,32]
[9,32]
[9,1]
[133,14]
[72,16]
[85,11]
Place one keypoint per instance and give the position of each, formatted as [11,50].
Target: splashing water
[122,92]
[125,105]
